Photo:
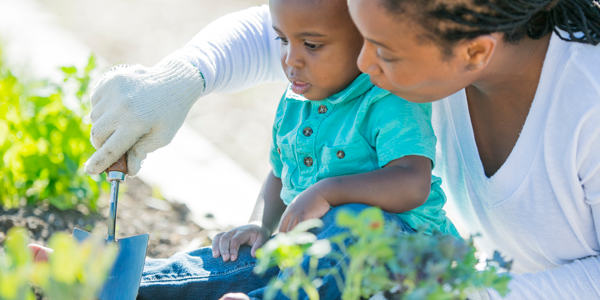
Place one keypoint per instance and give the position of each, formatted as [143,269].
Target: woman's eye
[384,59]
[312,46]
[282,39]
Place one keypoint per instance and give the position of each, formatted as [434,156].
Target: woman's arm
[577,280]
[136,109]
[236,51]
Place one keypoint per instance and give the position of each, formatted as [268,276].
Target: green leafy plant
[412,266]
[382,260]
[16,267]
[287,250]
[74,271]
[43,144]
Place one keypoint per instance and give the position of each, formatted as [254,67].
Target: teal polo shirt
[357,130]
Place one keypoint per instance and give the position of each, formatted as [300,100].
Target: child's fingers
[292,223]
[215,244]
[283,224]
[234,245]
[255,247]
[224,244]
[40,253]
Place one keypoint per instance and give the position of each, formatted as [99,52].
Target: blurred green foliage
[383,259]
[43,144]
[74,271]
[288,250]
[412,266]
[16,267]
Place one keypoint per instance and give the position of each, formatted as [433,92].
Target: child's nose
[294,59]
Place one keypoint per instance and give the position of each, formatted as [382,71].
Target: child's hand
[309,204]
[228,243]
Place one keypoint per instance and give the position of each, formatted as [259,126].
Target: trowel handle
[118,170]
[120,165]
[115,174]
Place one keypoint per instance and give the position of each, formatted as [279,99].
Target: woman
[518,121]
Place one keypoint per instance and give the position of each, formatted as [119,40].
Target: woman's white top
[542,207]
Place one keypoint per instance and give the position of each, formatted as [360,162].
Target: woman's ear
[476,53]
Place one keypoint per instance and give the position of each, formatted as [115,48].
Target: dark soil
[169,223]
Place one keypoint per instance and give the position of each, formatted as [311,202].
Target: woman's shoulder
[572,87]
[580,77]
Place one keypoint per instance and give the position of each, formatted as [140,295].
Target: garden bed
[169,223]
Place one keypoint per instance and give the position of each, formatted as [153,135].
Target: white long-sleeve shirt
[542,207]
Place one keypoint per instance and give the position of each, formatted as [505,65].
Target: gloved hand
[137,110]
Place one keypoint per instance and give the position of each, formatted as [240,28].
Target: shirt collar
[359,86]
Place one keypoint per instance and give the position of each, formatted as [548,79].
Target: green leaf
[91,65]
[319,248]
[37,133]
[307,225]
[69,70]
[17,240]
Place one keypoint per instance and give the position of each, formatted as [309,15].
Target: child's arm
[269,208]
[402,185]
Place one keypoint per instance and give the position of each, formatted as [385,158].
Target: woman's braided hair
[449,21]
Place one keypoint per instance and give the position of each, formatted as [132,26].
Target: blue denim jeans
[197,275]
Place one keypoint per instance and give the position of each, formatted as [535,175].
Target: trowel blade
[80,235]
[124,279]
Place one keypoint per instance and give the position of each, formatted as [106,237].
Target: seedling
[380,259]
[74,271]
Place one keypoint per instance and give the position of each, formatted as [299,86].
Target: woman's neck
[499,101]
[514,70]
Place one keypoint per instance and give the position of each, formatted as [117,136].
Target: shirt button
[307,131]
[279,151]
[308,161]
[322,109]
[341,154]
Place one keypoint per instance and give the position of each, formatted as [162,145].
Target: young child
[337,138]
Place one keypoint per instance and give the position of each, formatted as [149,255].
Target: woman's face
[401,59]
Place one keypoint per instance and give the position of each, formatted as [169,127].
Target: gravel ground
[145,31]
[169,223]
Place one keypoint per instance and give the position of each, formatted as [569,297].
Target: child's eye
[283,40]
[312,46]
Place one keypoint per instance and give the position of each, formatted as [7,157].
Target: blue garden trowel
[125,276]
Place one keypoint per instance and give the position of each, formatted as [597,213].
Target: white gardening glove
[137,110]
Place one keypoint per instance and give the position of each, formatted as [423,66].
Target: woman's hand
[138,110]
[227,244]
[310,204]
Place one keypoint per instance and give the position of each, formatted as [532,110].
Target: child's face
[319,45]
